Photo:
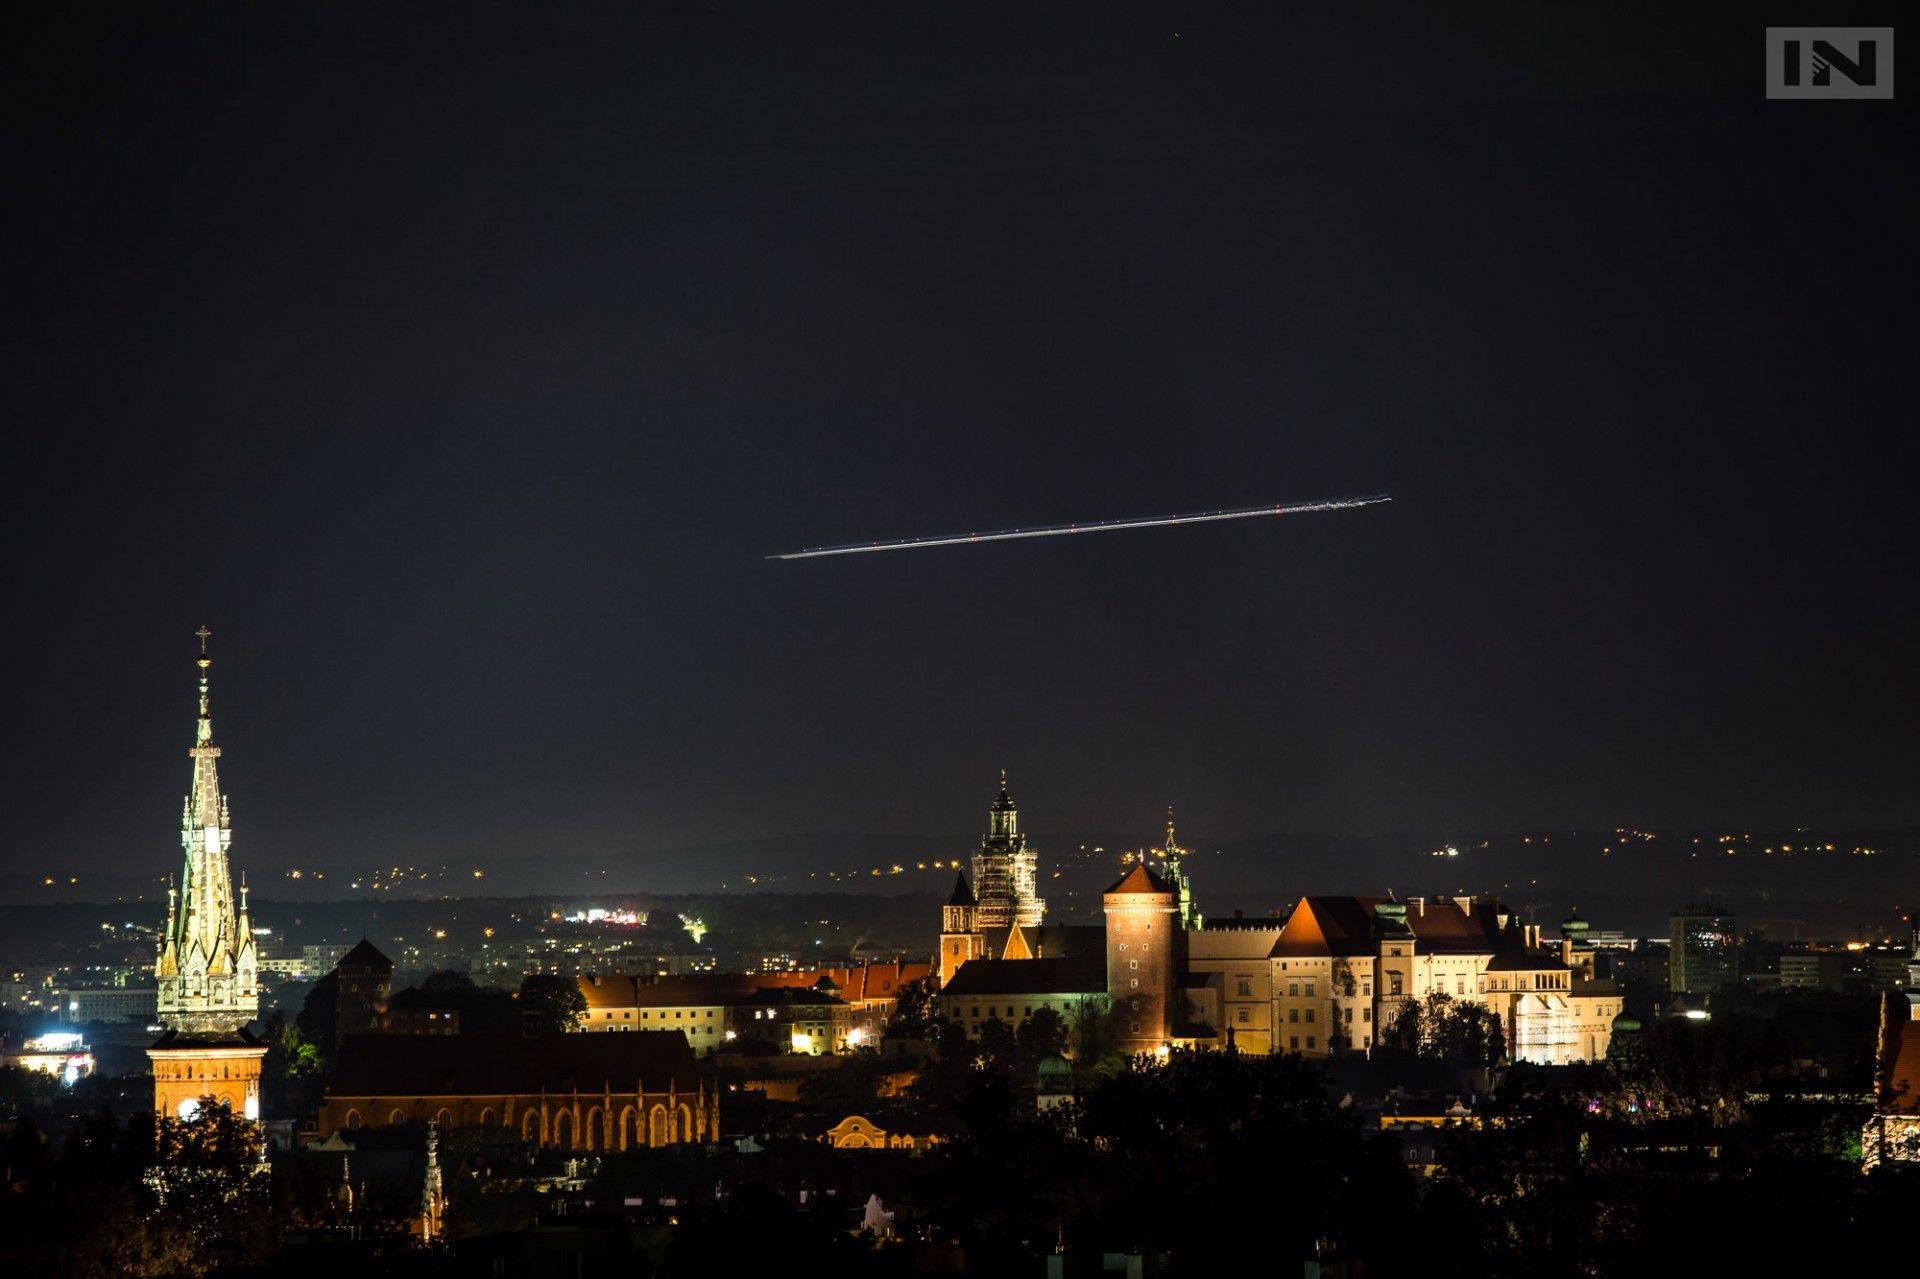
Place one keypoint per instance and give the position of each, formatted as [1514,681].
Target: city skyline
[467,452]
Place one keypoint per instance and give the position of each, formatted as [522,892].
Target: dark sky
[460,370]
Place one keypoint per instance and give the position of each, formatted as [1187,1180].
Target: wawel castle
[1329,979]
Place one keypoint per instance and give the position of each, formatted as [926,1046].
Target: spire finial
[205,736]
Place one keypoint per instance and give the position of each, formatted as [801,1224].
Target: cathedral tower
[960,939]
[1005,870]
[207,968]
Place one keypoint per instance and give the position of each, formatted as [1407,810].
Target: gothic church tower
[207,968]
[1005,871]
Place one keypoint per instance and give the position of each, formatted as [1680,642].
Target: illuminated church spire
[207,962]
[1005,870]
[1172,867]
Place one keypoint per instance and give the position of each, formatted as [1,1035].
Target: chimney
[1419,904]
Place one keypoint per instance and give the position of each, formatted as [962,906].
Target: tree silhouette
[551,1004]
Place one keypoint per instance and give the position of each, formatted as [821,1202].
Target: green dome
[1625,1022]
[1574,928]
[1396,911]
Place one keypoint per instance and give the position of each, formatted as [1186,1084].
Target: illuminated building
[1144,957]
[1594,997]
[61,1054]
[1344,968]
[206,968]
[816,1013]
[891,1130]
[871,990]
[1231,975]
[960,937]
[568,1092]
[1893,1131]
[1705,952]
[1325,981]
[1004,871]
[1133,965]
[1012,990]
[84,1004]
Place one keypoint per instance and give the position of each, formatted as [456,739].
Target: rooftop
[498,1065]
[365,957]
[1038,977]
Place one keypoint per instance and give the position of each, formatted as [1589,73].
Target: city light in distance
[607,915]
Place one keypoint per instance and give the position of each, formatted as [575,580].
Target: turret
[957,915]
[1573,936]
[960,937]
[1143,926]
[1003,819]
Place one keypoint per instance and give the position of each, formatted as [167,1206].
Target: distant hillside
[1632,879]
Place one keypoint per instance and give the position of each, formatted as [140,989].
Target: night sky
[460,374]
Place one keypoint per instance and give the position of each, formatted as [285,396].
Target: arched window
[590,1139]
[353,1120]
[563,1130]
[629,1128]
[444,1118]
[657,1134]
[487,1117]
[684,1129]
[530,1125]
[397,1117]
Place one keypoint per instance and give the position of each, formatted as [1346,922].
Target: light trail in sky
[1093,526]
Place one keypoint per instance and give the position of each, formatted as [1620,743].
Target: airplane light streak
[1093,526]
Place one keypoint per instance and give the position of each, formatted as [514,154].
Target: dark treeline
[1700,1145]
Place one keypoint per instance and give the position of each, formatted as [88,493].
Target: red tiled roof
[1328,926]
[1442,927]
[1349,926]
[1139,880]
[607,991]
